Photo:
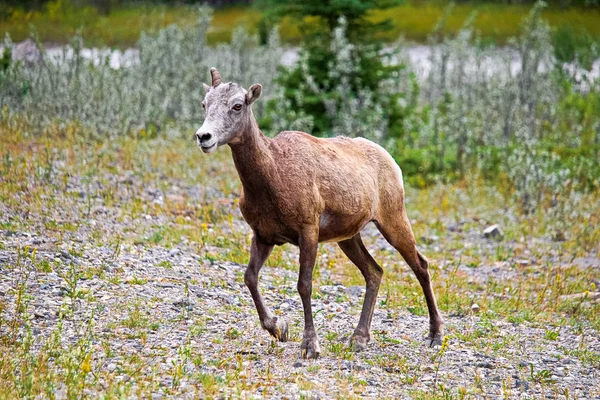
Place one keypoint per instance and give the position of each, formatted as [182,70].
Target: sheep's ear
[253,93]
[206,87]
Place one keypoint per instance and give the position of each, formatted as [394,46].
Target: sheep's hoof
[434,340]
[310,348]
[358,343]
[280,332]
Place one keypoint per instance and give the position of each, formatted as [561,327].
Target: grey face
[228,112]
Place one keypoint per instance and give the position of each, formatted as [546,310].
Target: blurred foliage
[515,114]
[324,15]
[339,59]
[124,22]
[152,90]
[575,43]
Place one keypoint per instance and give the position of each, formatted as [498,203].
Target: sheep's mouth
[208,149]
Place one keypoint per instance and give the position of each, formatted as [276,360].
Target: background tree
[324,81]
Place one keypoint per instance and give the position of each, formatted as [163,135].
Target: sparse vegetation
[536,303]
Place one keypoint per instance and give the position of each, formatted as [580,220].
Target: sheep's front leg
[259,252]
[308,244]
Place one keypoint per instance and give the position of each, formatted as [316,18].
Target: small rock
[522,384]
[475,308]
[183,302]
[167,285]
[298,364]
[485,364]
[583,295]
[456,227]
[38,314]
[559,236]
[492,232]
[128,180]
[356,290]
[430,239]
[333,290]
[173,252]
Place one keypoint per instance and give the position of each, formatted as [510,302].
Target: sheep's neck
[254,163]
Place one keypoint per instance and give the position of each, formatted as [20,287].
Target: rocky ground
[122,276]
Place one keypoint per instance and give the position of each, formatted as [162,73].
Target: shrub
[158,87]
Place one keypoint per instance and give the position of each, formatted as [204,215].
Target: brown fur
[304,190]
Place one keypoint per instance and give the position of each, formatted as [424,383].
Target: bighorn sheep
[304,190]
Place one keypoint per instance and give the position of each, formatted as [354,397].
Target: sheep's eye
[204,106]
[237,107]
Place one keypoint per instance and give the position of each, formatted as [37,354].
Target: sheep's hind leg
[356,251]
[259,252]
[397,231]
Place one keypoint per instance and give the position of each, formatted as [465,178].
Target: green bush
[575,44]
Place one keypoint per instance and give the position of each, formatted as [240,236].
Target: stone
[591,296]
[559,236]
[430,239]
[492,232]
[357,291]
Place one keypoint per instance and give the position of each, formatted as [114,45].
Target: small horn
[216,77]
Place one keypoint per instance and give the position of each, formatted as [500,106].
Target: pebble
[492,232]
[357,291]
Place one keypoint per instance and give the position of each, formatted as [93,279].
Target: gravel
[174,306]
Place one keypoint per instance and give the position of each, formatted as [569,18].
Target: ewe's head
[228,112]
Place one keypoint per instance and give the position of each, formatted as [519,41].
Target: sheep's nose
[203,137]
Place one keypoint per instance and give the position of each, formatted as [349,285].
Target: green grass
[496,22]
[415,21]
